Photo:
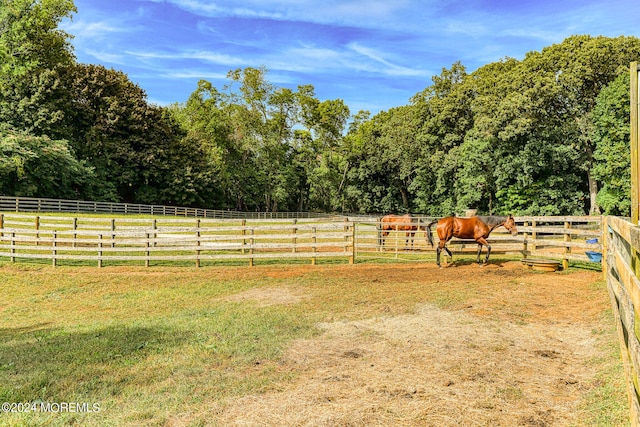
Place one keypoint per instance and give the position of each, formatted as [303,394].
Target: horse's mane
[493,220]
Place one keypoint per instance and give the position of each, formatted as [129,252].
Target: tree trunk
[405,197]
[594,209]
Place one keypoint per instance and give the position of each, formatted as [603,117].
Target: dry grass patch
[429,368]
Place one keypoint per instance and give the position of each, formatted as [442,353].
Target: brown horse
[476,228]
[400,223]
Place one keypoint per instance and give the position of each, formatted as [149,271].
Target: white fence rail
[196,240]
[30,204]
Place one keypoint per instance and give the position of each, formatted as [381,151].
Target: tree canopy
[544,135]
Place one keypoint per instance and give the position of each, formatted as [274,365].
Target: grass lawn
[171,345]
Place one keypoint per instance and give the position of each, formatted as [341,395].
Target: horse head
[510,225]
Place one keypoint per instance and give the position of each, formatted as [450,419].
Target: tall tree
[36,166]
[612,157]
[34,55]
[583,66]
[135,148]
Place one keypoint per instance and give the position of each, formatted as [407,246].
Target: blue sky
[373,54]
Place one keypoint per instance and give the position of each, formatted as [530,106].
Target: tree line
[545,135]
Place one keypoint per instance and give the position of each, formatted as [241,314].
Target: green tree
[385,164]
[34,57]
[612,157]
[137,149]
[36,166]
[444,116]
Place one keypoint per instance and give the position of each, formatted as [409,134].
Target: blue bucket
[594,256]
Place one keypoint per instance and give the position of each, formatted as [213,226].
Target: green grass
[152,345]
[142,345]
[607,404]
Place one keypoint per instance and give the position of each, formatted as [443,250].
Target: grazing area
[301,345]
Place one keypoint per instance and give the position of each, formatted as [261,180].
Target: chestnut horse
[400,223]
[476,228]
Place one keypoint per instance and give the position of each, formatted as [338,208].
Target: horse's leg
[382,236]
[450,254]
[438,250]
[486,260]
[481,242]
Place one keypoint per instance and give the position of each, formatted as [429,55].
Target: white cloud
[92,30]
[106,57]
[206,56]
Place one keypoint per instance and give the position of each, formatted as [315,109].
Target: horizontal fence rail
[577,238]
[30,204]
[562,238]
[103,240]
[622,272]
[196,240]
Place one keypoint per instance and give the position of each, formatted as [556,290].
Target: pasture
[336,345]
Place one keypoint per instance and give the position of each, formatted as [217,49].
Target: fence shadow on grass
[53,364]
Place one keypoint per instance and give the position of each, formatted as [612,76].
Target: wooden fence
[101,241]
[621,264]
[31,204]
[110,240]
[562,238]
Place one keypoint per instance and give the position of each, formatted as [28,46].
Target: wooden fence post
[294,240]
[396,240]
[313,246]
[37,227]
[567,248]
[54,251]
[352,258]
[534,236]
[155,235]
[146,253]
[13,246]
[525,245]
[243,233]
[251,248]
[113,233]
[605,245]
[75,235]
[198,242]
[99,250]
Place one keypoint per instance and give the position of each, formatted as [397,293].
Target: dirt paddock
[504,346]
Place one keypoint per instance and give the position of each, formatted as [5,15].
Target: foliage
[136,148]
[34,55]
[38,166]
[512,137]
[543,135]
[611,134]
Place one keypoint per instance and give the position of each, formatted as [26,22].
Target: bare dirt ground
[515,349]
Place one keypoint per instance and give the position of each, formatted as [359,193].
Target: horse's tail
[428,232]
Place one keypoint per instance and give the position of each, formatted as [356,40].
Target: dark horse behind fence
[477,228]
[406,223]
